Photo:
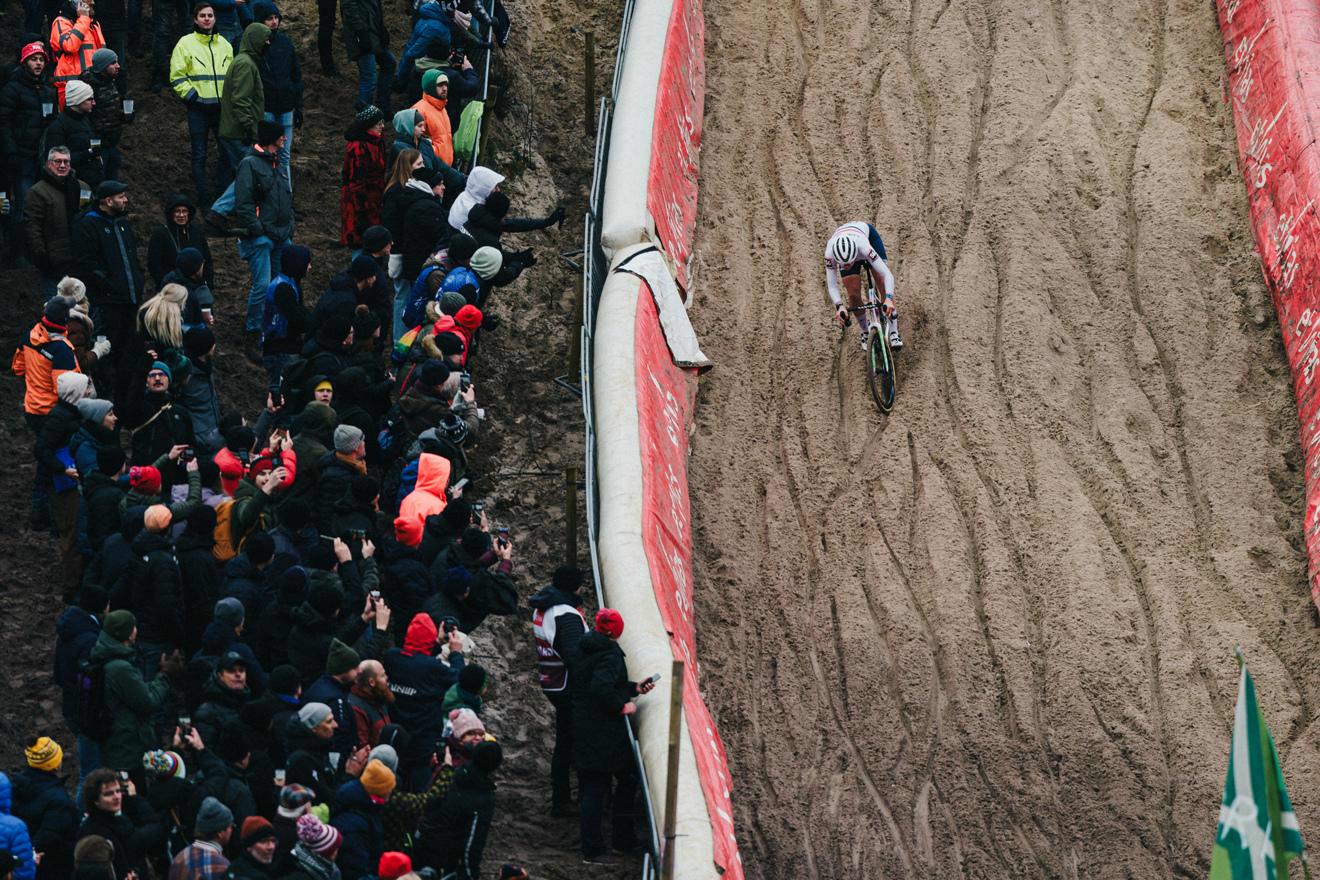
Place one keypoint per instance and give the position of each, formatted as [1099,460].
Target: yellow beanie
[377,779]
[44,754]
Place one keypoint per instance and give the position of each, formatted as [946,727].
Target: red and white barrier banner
[1273,54]
[666,394]
[671,194]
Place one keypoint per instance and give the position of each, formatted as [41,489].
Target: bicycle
[880,370]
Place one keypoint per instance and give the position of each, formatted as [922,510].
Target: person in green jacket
[133,701]
[466,692]
[243,101]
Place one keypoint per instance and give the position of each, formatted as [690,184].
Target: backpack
[414,311]
[293,383]
[465,138]
[225,547]
[93,715]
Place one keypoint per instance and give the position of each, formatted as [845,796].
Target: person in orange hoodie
[75,35]
[435,97]
[427,499]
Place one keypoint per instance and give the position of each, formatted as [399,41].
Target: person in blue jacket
[14,835]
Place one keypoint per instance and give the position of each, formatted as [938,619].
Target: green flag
[1258,832]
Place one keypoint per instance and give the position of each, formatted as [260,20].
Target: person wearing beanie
[99,430]
[281,78]
[103,489]
[59,474]
[453,837]
[135,700]
[205,857]
[260,842]
[488,222]
[153,420]
[433,106]
[107,117]
[318,845]
[72,128]
[43,363]
[420,678]
[165,764]
[263,214]
[295,801]
[76,633]
[466,732]
[466,692]
[358,818]
[486,262]
[362,177]
[23,121]
[267,717]
[386,754]
[475,575]
[393,865]
[602,698]
[94,851]
[338,470]
[558,625]
[190,272]
[284,322]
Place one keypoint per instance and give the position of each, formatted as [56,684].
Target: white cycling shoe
[895,341]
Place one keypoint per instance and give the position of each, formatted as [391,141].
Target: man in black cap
[263,216]
[105,252]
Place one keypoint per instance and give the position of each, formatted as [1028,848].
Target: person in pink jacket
[427,499]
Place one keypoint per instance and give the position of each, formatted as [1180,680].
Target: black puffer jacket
[21,121]
[153,590]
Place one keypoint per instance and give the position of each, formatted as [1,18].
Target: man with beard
[156,424]
[22,122]
[370,703]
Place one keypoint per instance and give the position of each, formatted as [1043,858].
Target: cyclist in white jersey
[852,246]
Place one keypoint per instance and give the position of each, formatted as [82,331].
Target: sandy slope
[992,635]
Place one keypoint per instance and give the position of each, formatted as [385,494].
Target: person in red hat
[602,699]
[24,101]
[394,865]
[259,841]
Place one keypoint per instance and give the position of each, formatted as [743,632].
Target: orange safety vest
[74,43]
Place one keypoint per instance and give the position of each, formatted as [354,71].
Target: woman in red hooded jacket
[362,178]
[427,499]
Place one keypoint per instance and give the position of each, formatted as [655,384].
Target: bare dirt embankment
[991,635]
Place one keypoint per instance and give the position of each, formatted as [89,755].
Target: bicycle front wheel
[880,370]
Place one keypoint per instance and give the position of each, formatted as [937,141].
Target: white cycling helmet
[844,250]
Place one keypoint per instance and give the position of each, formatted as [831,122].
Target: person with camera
[419,677]
[75,35]
[475,574]
[116,812]
[154,422]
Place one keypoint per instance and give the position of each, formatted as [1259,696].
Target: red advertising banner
[1272,49]
[671,196]
[665,397]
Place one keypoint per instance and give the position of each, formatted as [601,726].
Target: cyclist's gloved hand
[888,307]
[841,316]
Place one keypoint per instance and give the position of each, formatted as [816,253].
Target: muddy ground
[533,429]
[991,635]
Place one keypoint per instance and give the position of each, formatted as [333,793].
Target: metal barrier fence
[595,267]
[485,87]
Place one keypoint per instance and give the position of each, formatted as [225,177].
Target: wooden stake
[671,773]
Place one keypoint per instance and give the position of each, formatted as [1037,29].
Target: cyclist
[850,247]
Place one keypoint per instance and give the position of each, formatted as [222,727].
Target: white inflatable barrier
[624,215]
[625,568]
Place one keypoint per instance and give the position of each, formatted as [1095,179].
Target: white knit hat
[76,91]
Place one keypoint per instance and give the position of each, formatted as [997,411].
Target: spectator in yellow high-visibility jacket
[197,75]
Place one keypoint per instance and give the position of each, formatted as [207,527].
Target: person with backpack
[76,633]
[284,321]
[130,702]
[41,800]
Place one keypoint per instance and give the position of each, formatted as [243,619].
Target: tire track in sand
[990,634]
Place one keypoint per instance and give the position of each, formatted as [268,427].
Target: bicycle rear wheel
[880,370]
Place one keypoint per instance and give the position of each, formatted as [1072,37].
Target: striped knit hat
[295,801]
[317,836]
[165,764]
[44,753]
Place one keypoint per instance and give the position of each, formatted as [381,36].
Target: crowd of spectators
[269,602]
